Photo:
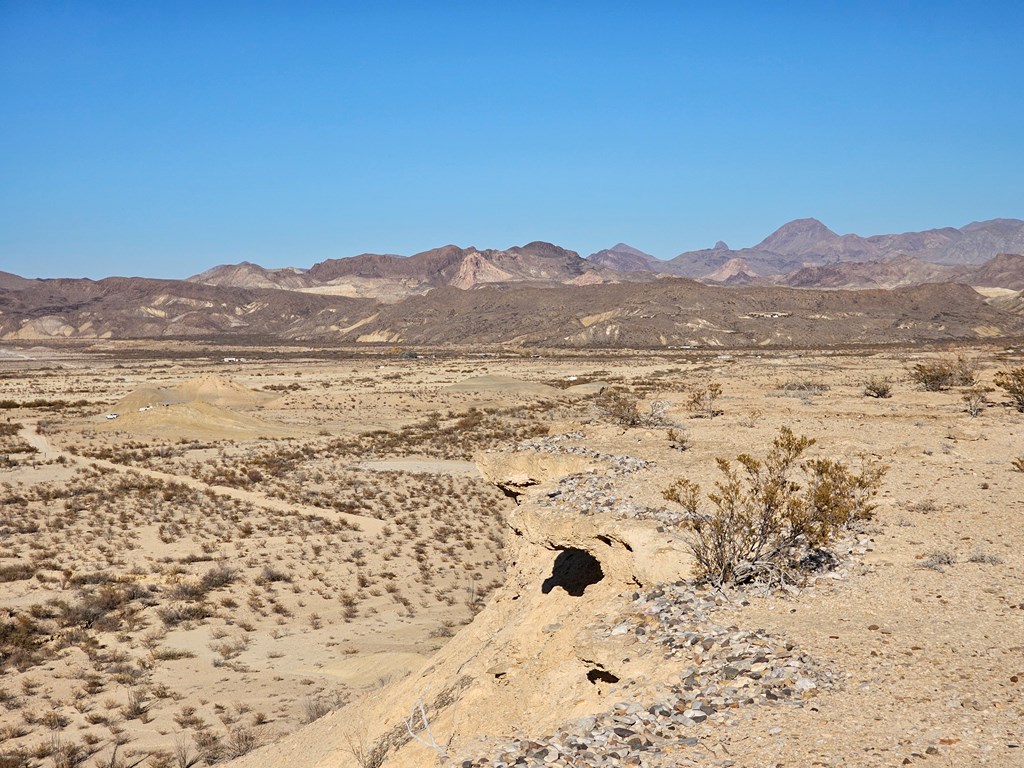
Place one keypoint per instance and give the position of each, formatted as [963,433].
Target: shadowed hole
[574,571]
[601,676]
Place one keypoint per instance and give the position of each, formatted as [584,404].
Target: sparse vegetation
[625,409]
[938,559]
[981,557]
[807,386]
[1012,381]
[763,523]
[939,375]
[703,401]
[878,387]
[136,608]
[678,439]
[975,398]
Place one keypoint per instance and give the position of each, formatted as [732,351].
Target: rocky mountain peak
[798,237]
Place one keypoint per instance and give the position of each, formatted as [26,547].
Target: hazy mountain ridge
[377,275]
[783,257]
[543,294]
[808,243]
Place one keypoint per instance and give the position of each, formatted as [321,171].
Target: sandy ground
[354,558]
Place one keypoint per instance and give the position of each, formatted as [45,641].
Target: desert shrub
[938,560]
[315,707]
[1018,464]
[678,439]
[21,642]
[218,576]
[703,399]
[242,740]
[939,375]
[763,523]
[17,758]
[101,609]
[804,385]
[269,574]
[1013,382]
[878,387]
[622,407]
[16,572]
[173,615]
[975,400]
[209,746]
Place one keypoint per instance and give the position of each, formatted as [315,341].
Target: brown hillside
[673,312]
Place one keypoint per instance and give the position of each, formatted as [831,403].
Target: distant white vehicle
[111,416]
[145,408]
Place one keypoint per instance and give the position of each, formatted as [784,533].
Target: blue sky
[160,139]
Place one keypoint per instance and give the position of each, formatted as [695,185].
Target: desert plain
[298,556]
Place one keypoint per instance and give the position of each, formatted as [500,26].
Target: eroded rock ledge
[594,649]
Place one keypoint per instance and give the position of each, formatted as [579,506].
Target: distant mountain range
[390,278]
[800,254]
[793,288]
[809,243]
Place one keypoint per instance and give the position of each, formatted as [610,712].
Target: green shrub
[763,523]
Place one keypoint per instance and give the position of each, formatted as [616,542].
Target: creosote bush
[878,387]
[703,399]
[622,407]
[939,375]
[1013,382]
[763,523]
[975,400]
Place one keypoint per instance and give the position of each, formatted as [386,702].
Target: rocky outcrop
[515,472]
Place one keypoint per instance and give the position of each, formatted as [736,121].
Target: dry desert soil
[316,558]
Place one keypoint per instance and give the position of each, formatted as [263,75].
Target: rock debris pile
[592,493]
[718,673]
[618,465]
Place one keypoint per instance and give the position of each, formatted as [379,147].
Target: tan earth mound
[495,384]
[215,390]
[220,391]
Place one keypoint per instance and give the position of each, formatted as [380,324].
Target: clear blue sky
[160,139]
